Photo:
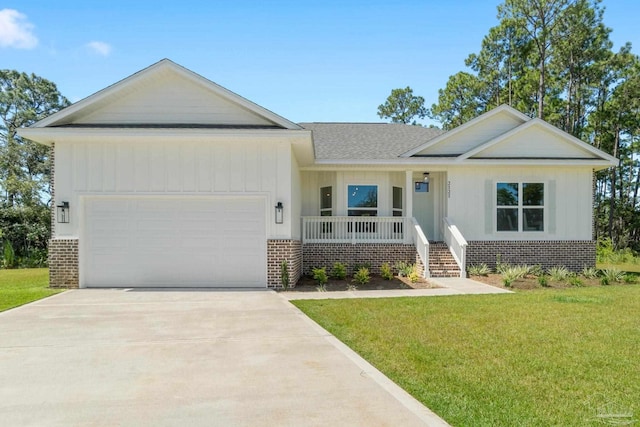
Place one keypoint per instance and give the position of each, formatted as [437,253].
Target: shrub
[613,275]
[362,276]
[575,281]
[536,270]
[604,281]
[630,278]
[543,281]
[414,276]
[607,253]
[478,270]
[515,271]
[9,256]
[366,265]
[590,272]
[385,271]
[339,270]
[284,274]
[404,268]
[559,273]
[507,281]
[320,276]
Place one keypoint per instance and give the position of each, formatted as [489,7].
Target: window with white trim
[362,200]
[520,206]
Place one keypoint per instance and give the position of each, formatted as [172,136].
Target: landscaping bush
[320,276]
[479,270]
[284,274]
[404,268]
[385,271]
[339,270]
[362,276]
[559,274]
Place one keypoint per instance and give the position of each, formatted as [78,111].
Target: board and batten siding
[568,201]
[175,167]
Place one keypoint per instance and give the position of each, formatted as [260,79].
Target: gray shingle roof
[366,141]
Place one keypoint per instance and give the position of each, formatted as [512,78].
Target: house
[168,179]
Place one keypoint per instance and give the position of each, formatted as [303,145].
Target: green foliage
[404,268]
[630,278]
[543,280]
[478,270]
[607,253]
[559,273]
[536,270]
[385,271]
[8,256]
[320,276]
[590,272]
[358,266]
[402,106]
[362,276]
[284,274]
[613,275]
[414,277]
[575,281]
[339,270]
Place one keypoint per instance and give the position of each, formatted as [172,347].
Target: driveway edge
[408,401]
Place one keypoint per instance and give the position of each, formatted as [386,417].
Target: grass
[21,286]
[627,267]
[545,357]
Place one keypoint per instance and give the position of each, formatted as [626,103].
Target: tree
[24,165]
[402,106]
[460,101]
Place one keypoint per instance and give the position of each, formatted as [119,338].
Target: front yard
[544,357]
[18,287]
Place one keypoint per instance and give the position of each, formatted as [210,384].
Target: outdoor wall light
[63,212]
[279,213]
[425,177]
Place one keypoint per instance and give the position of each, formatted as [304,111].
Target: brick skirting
[573,254]
[278,251]
[325,254]
[63,263]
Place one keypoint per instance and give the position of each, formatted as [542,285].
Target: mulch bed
[530,282]
[308,284]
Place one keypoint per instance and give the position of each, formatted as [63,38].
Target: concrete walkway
[448,286]
[181,358]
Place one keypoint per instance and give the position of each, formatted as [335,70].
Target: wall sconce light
[63,212]
[279,213]
[425,177]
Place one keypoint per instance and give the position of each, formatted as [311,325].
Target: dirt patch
[308,284]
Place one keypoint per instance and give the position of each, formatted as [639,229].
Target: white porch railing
[422,245]
[355,229]
[457,245]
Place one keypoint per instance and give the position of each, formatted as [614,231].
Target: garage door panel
[177,242]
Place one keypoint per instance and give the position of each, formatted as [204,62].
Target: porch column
[408,194]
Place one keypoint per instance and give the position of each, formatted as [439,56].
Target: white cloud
[101,48]
[16,31]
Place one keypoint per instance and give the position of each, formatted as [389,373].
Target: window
[326,201]
[397,201]
[520,206]
[362,200]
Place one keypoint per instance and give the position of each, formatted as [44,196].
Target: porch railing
[457,245]
[356,229]
[422,245]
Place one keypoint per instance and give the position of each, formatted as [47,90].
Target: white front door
[174,242]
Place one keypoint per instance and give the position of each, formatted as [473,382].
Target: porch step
[441,262]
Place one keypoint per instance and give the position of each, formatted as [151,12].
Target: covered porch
[381,208]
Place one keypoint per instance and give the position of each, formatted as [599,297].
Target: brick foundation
[63,263]
[325,254]
[278,251]
[573,254]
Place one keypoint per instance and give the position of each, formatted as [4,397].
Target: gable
[171,100]
[534,142]
[472,134]
[166,94]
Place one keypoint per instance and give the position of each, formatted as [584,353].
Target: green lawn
[536,358]
[21,286]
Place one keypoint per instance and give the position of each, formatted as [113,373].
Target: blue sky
[305,60]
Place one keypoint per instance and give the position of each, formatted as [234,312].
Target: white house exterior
[172,180]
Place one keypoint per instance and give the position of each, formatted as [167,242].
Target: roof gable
[166,94]
[537,139]
[471,134]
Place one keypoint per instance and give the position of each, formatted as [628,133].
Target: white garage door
[174,242]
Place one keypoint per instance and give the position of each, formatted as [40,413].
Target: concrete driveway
[186,358]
